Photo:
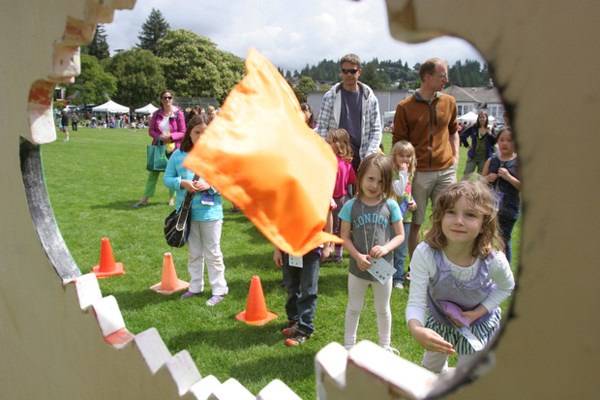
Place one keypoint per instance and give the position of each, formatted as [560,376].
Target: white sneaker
[398,286]
[392,350]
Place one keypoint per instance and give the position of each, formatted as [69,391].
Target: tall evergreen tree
[154,29]
[98,47]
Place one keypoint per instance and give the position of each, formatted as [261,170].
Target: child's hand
[327,250]
[491,177]
[332,204]
[363,261]
[473,315]
[412,205]
[379,251]
[201,186]
[504,174]
[277,257]
[403,167]
[431,340]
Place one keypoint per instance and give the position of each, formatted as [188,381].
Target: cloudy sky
[291,34]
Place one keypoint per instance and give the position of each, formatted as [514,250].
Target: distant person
[309,116]
[502,172]
[427,119]
[207,219]
[352,105]
[458,278]
[211,113]
[301,281]
[64,123]
[74,121]
[405,163]
[481,146]
[371,229]
[339,140]
[167,125]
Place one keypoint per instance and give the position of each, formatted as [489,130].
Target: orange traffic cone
[107,266]
[169,283]
[256,308]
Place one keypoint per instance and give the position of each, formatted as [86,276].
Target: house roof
[474,94]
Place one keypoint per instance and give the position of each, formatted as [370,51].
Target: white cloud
[290,34]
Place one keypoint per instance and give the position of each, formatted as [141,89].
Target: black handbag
[177,223]
[156,157]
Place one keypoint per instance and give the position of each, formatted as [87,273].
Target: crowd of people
[459,270]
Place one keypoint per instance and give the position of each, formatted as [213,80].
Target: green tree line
[192,66]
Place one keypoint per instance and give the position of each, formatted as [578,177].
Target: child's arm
[362,260]
[329,246]
[383,250]
[490,177]
[277,257]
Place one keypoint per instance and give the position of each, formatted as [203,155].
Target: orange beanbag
[261,155]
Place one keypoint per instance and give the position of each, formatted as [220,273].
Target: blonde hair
[403,147]
[384,165]
[341,139]
[479,196]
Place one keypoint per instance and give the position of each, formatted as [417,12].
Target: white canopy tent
[471,117]
[111,107]
[147,109]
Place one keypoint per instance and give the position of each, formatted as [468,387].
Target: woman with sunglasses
[167,125]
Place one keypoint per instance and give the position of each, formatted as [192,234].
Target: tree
[193,66]
[98,47]
[140,76]
[370,77]
[93,85]
[305,85]
[154,29]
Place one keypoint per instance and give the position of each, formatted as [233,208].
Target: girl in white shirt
[458,277]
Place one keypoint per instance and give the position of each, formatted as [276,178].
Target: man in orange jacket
[427,119]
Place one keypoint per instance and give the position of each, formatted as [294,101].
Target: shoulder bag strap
[186,207]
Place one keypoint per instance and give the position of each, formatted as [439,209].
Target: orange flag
[261,155]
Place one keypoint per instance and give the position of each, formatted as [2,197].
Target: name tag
[295,261]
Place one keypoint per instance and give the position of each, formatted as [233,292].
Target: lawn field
[92,182]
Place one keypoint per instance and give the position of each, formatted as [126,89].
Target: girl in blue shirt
[207,218]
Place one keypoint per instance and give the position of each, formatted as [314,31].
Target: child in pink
[339,140]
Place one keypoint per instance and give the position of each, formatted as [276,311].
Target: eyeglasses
[351,71]
[441,76]
[167,98]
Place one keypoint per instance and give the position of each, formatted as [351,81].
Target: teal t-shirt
[370,226]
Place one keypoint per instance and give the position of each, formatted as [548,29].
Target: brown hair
[384,164]
[341,139]
[186,143]
[479,196]
[428,67]
[160,96]
[352,59]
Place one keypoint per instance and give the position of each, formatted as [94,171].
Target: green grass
[92,182]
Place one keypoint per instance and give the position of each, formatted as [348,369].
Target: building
[467,99]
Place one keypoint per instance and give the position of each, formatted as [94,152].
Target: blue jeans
[400,254]
[302,287]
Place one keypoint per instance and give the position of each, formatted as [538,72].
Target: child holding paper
[404,159]
[371,229]
[459,277]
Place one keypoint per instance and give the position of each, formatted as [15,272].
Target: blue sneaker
[189,294]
